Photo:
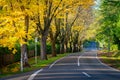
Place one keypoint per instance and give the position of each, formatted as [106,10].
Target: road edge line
[106,64]
[34,74]
[55,62]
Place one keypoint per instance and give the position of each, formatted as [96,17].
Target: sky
[97,4]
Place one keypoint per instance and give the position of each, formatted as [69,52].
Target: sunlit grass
[15,67]
[111,58]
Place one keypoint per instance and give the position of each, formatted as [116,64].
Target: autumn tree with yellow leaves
[15,26]
[47,10]
[20,19]
[82,28]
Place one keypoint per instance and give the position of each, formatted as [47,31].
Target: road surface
[76,66]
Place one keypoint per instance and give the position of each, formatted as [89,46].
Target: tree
[51,8]
[15,26]
[109,12]
[81,29]
[54,33]
[18,15]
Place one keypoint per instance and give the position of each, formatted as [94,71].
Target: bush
[49,48]
[4,50]
[17,55]
[11,68]
[58,48]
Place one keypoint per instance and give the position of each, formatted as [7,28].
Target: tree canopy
[109,21]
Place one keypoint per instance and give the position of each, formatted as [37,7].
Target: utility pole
[109,39]
[21,62]
[36,50]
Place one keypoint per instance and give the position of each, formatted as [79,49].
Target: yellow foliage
[5,70]
[77,28]
[53,28]
[14,51]
[90,33]
[15,69]
[11,68]
[20,34]
[12,22]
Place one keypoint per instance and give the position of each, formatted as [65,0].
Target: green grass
[112,59]
[15,67]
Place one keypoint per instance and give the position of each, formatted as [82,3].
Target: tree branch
[54,11]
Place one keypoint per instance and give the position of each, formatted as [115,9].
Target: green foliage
[31,45]
[49,48]
[109,21]
[58,48]
[17,55]
[111,58]
[4,50]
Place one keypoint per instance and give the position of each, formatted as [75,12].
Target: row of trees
[58,21]
[109,22]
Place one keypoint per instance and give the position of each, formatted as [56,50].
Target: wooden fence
[6,59]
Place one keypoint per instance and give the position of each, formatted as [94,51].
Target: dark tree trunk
[54,37]
[70,50]
[53,49]
[75,49]
[24,50]
[62,48]
[24,55]
[118,45]
[65,47]
[53,44]
[43,47]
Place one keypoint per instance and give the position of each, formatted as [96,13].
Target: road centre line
[55,62]
[79,59]
[86,74]
[62,58]
[34,74]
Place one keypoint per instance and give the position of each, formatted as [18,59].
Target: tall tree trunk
[75,47]
[109,46]
[43,47]
[53,44]
[118,45]
[53,49]
[24,55]
[62,48]
[54,37]
[24,50]
[65,47]
[70,47]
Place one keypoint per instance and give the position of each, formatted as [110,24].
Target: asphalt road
[76,66]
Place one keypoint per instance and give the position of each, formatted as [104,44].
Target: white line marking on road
[55,63]
[86,74]
[98,59]
[105,64]
[78,61]
[34,74]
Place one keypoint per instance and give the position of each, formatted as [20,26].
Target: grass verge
[15,67]
[110,58]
